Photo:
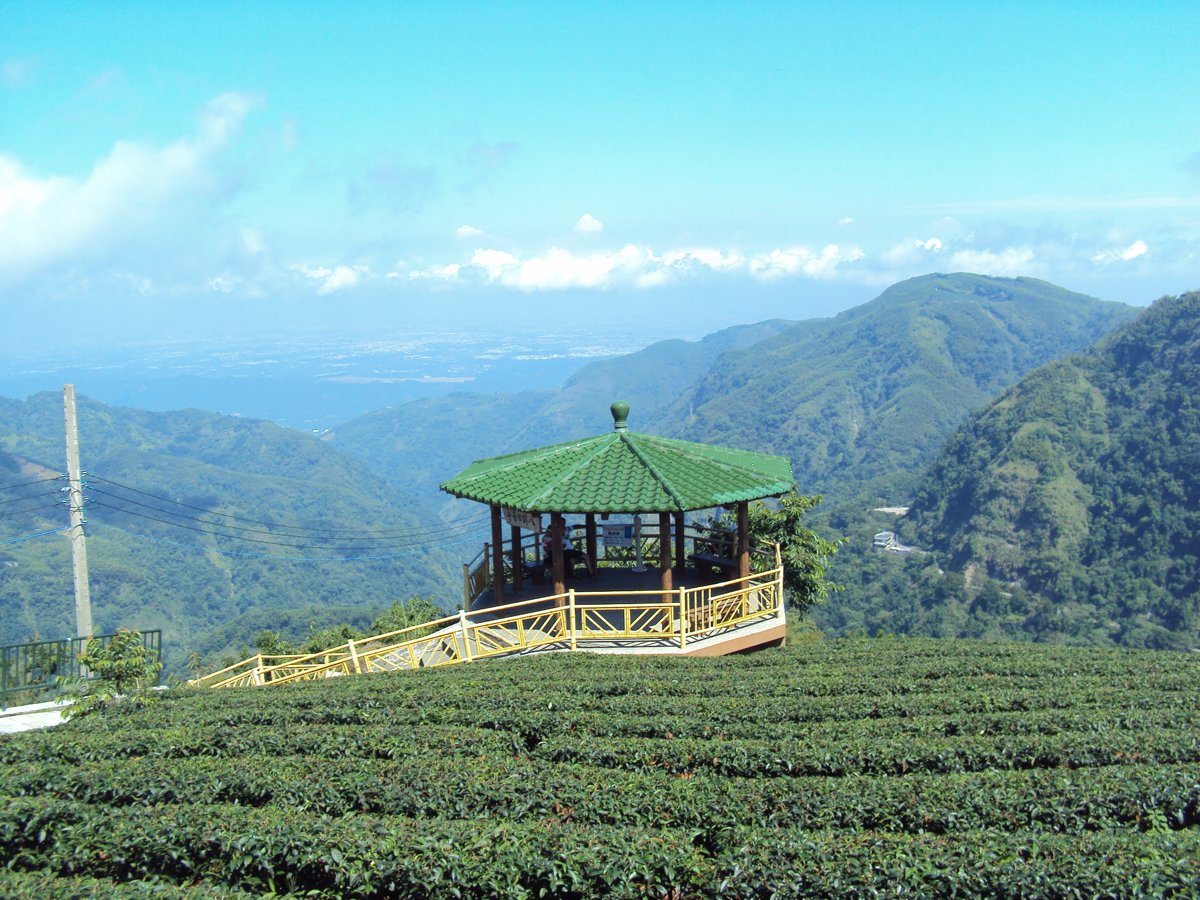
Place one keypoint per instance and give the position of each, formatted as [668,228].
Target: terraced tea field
[889,767]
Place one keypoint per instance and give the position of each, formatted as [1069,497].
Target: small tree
[806,555]
[121,670]
[416,611]
[271,643]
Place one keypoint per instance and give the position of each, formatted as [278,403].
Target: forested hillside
[195,519]
[1081,485]
[861,402]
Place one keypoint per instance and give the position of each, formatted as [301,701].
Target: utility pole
[83,594]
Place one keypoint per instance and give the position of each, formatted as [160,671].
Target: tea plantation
[846,767]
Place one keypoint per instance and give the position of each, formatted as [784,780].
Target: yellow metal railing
[477,574]
[571,621]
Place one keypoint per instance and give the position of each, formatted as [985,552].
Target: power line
[285,558]
[362,533]
[13,487]
[29,537]
[54,493]
[40,504]
[312,536]
[221,534]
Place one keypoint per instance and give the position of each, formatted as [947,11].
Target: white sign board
[518,518]
[618,535]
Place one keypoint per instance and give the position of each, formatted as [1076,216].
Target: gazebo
[621,472]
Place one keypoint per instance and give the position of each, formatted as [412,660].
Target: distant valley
[314,383]
[863,404]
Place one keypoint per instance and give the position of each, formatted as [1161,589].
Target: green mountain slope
[1082,483]
[861,401]
[161,484]
[427,441]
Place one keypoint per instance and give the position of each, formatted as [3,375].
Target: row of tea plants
[884,767]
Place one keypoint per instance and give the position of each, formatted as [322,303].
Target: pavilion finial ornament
[620,414]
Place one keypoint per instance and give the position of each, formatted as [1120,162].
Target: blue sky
[175,168]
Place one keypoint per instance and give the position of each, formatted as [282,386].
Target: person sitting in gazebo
[571,555]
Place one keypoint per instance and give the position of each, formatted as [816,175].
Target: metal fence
[36,667]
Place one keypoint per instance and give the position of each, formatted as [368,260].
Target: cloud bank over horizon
[97,229]
[741,159]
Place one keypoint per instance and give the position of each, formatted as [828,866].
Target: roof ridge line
[713,459]
[666,485]
[601,446]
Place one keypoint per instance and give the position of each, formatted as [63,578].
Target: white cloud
[706,257]
[335,279]
[468,231]
[1011,261]
[124,201]
[846,220]
[909,252]
[494,262]
[634,265]
[780,263]
[448,272]
[224,284]
[560,268]
[589,224]
[1132,252]
[252,241]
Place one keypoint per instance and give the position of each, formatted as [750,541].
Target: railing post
[683,623]
[779,594]
[257,676]
[466,639]
[466,584]
[354,658]
[571,619]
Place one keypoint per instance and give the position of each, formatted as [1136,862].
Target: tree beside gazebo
[804,553]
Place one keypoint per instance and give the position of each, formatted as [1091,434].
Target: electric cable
[40,504]
[221,534]
[281,533]
[29,537]
[14,486]
[54,493]
[283,557]
[362,533]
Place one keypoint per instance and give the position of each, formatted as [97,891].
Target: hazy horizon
[272,172]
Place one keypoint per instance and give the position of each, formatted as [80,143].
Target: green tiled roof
[622,472]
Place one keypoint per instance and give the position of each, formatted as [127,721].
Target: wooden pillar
[743,539]
[497,558]
[590,524]
[518,560]
[556,554]
[680,549]
[664,554]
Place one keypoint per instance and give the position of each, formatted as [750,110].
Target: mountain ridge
[1080,483]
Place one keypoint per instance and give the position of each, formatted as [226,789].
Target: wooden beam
[680,549]
[590,524]
[557,526]
[497,557]
[518,560]
[664,554]
[743,539]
